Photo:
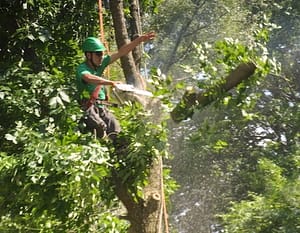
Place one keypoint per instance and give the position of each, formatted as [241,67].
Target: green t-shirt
[86,89]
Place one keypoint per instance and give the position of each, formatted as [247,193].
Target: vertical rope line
[163,200]
[162,197]
[102,38]
[102,33]
[101,20]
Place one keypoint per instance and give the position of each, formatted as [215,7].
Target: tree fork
[191,98]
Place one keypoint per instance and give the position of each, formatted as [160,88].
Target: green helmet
[92,44]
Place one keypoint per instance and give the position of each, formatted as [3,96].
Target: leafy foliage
[242,151]
[54,177]
[45,33]
[276,210]
[54,185]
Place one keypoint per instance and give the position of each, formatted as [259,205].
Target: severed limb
[192,98]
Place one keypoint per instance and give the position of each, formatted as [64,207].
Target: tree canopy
[231,150]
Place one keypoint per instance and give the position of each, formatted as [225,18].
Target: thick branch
[127,61]
[136,30]
[191,98]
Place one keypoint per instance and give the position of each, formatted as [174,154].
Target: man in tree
[88,77]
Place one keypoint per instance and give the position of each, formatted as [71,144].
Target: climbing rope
[102,36]
[102,39]
[163,200]
[102,33]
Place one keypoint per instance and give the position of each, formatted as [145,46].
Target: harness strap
[93,98]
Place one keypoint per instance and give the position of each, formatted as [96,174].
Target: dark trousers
[101,122]
[112,124]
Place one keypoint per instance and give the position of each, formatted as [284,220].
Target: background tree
[221,146]
[182,24]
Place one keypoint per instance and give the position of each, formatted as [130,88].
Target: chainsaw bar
[131,88]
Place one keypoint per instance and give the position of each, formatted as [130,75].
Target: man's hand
[147,36]
[125,49]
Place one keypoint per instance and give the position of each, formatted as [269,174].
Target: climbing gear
[93,44]
[93,97]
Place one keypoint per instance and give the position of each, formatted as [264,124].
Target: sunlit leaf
[11,137]
[64,96]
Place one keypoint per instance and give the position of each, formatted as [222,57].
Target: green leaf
[2,95]
[31,37]
[12,138]
[53,102]
[64,96]
[42,38]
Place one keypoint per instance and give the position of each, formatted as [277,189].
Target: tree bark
[136,30]
[127,62]
[143,213]
[146,213]
[185,108]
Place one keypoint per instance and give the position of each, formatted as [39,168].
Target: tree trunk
[143,213]
[128,64]
[146,213]
[190,99]
[136,30]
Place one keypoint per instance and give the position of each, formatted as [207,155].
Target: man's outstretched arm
[130,46]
